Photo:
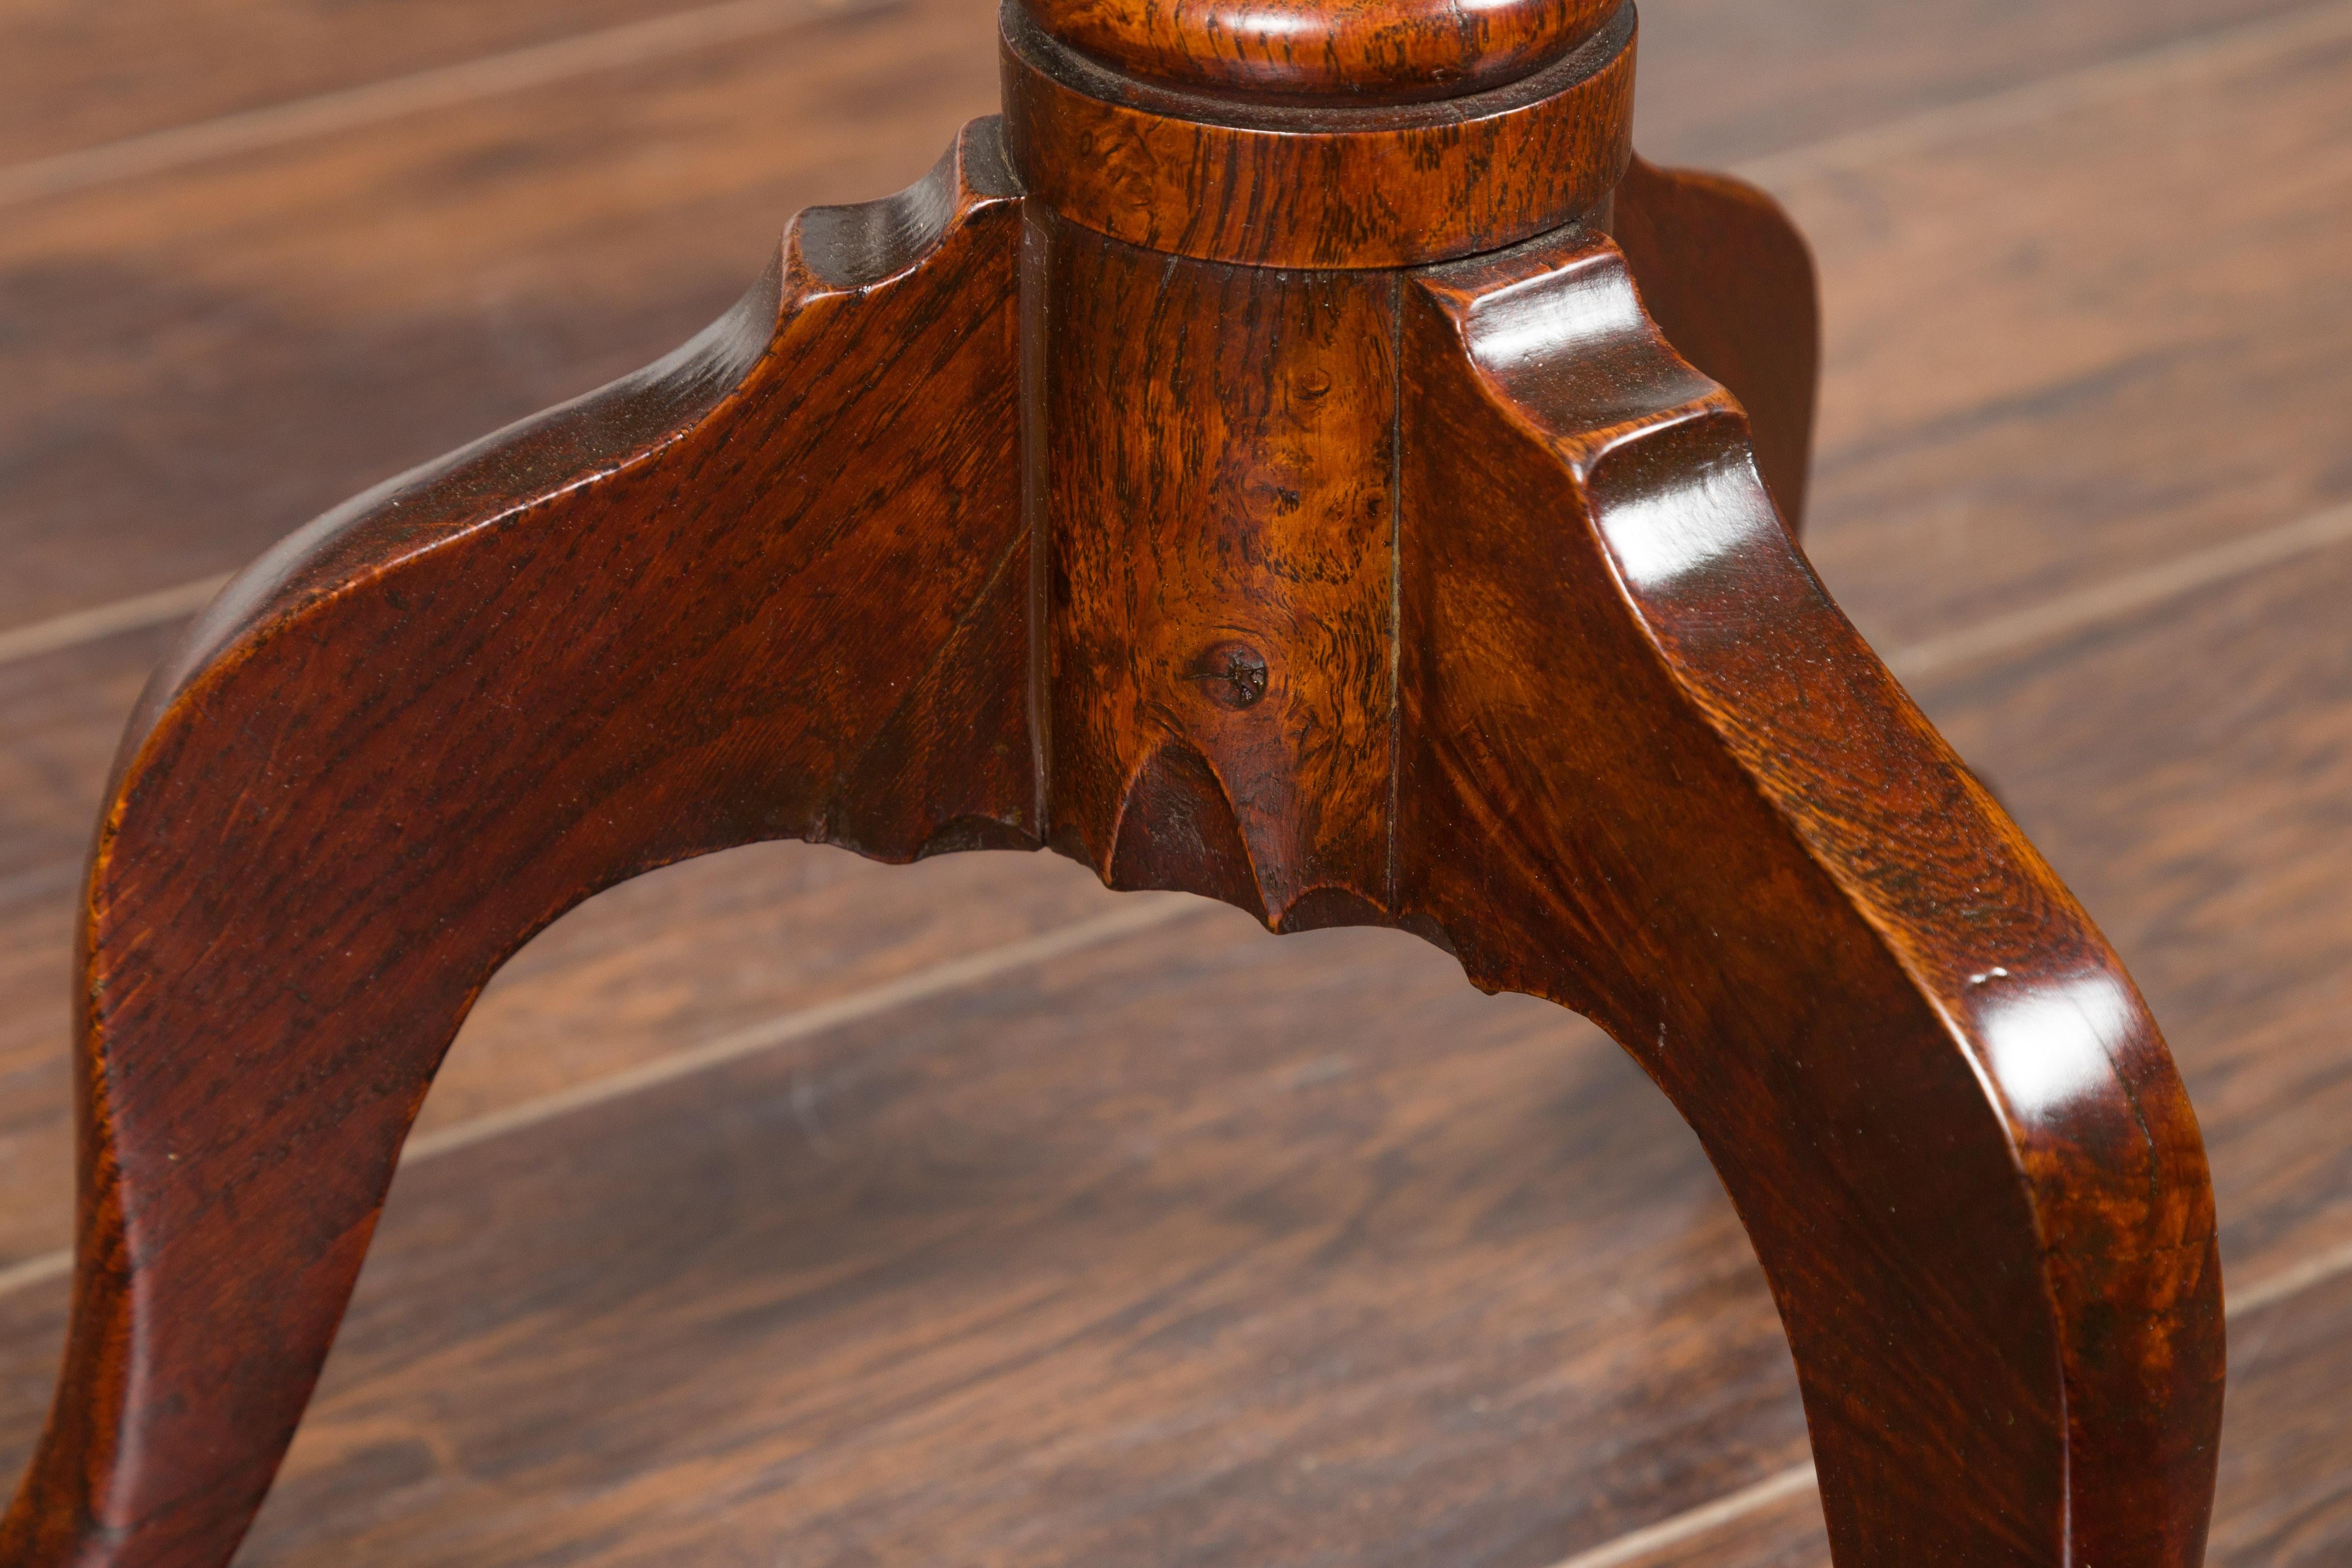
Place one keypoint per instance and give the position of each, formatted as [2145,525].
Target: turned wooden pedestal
[1295,455]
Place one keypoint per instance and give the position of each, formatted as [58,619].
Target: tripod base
[1453,599]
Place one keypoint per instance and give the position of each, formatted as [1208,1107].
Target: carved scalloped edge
[620,426]
[2059,1038]
[102,1487]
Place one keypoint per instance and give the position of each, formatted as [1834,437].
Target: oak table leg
[614,635]
[1655,775]
[1336,479]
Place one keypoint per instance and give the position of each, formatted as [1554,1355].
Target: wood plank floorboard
[2212,830]
[2219,919]
[1082,1272]
[2188,770]
[205,360]
[2285,1496]
[2037,378]
[43,824]
[1187,1247]
[1723,78]
[1157,1042]
[692,954]
[74,75]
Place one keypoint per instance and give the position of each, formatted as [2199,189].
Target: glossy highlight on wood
[1451,598]
[1991,1373]
[1364,51]
[689,688]
[1294,186]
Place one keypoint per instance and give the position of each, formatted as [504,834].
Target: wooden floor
[785,1209]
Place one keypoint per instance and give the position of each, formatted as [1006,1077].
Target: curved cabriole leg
[623,633]
[1648,770]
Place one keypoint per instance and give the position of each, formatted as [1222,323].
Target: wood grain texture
[2223,922]
[2190,765]
[1726,79]
[1093,1271]
[206,991]
[75,76]
[1280,185]
[1737,79]
[2056,426]
[1756,326]
[203,363]
[2212,825]
[2284,1471]
[2095,435]
[207,361]
[2057,1385]
[2284,1494]
[691,954]
[1190,788]
[1972,1006]
[1363,51]
[2090,790]
[62,718]
[1220,488]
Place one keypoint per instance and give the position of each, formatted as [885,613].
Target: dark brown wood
[1451,600]
[397,290]
[692,688]
[1359,51]
[1292,184]
[1857,982]
[1753,325]
[1219,492]
[1219,707]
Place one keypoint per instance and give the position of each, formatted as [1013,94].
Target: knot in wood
[1229,674]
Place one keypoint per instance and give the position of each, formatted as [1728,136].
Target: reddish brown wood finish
[1452,599]
[1219,488]
[613,636]
[1364,51]
[1722,831]
[1293,184]
[1729,282]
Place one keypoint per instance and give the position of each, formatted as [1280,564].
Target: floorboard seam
[2224,50]
[2124,595]
[1137,912]
[956,974]
[2214,53]
[561,60]
[441,87]
[137,614]
[618,46]
[1734,1506]
[2076,611]
[1145,911]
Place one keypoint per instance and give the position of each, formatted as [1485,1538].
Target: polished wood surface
[1223,696]
[374,912]
[2232,923]
[1756,328]
[1361,51]
[1792,902]
[1293,184]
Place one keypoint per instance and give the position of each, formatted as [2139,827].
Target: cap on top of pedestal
[1368,51]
